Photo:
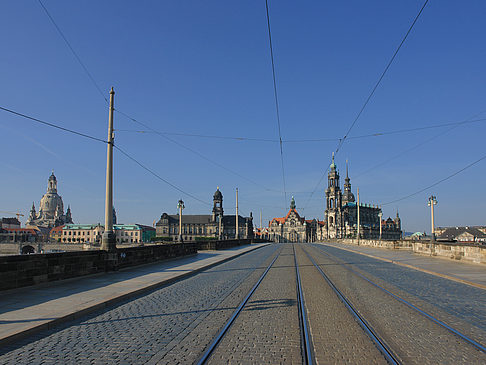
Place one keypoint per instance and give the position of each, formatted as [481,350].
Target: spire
[347,175]
[68,219]
[333,165]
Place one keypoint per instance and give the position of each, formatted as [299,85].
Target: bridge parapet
[23,270]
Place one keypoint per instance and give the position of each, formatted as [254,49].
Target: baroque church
[205,226]
[51,209]
[341,214]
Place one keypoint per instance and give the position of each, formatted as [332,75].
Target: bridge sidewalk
[28,310]
[464,272]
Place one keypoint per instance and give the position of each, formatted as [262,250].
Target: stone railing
[395,244]
[223,244]
[24,270]
[457,251]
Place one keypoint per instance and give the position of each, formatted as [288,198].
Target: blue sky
[204,68]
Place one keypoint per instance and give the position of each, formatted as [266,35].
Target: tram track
[306,342]
[387,352]
[397,320]
[425,314]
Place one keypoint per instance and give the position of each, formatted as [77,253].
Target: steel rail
[384,349]
[461,335]
[204,358]
[307,342]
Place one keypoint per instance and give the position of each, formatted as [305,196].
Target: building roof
[20,230]
[452,232]
[283,219]
[57,229]
[11,221]
[126,227]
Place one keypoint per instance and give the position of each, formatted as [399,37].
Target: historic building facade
[205,226]
[292,227]
[51,209]
[341,214]
[92,233]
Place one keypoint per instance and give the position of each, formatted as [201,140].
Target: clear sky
[203,67]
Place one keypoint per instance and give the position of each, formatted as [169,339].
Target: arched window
[331,201]
[331,220]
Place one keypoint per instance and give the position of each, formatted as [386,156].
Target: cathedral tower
[217,204]
[333,212]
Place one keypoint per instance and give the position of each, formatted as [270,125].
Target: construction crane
[18,214]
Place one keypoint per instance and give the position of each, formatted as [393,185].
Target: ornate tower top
[217,203]
[333,165]
[292,203]
[52,184]
[348,196]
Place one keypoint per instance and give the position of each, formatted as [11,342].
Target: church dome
[49,203]
[348,197]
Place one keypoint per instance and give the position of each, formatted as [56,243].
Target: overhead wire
[437,182]
[52,125]
[380,78]
[303,140]
[276,99]
[74,52]
[408,150]
[158,176]
[342,140]
[131,118]
[193,151]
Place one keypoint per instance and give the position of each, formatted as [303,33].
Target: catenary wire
[52,125]
[276,99]
[133,119]
[437,182]
[73,52]
[304,140]
[193,151]
[454,125]
[158,176]
[381,77]
[372,92]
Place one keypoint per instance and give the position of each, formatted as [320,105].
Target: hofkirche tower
[51,208]
[334,198]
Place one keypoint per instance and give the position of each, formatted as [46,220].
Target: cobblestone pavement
[413,338]
[461,306]
[267,330]
[336,336]
[147,327]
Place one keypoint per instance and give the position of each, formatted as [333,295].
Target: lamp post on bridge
[432,201]
[380,215]
[180,206]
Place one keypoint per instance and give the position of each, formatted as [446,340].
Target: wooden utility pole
[108,240]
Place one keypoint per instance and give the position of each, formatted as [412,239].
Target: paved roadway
[176,323]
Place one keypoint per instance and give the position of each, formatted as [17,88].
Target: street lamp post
[380,214]
[432,201]
[180,206]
